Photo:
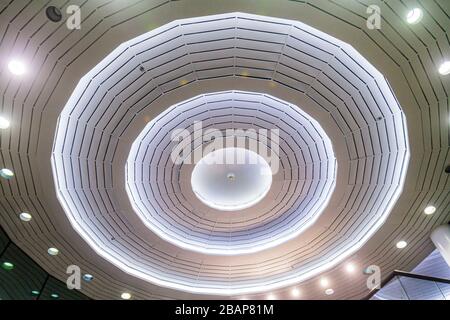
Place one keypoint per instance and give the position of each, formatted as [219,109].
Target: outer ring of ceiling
[394,117]
[161,196]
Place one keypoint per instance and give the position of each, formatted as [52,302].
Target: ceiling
[364,139]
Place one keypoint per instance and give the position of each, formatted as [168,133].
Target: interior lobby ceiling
[363,118]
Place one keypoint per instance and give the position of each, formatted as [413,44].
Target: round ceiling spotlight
[7,265]
[401,244]
[414,16]
[429,210]
[231,179]
[35,292]
[4,123]
[125,296]
[329,292]
[88,277]
[295,292]
[53,14]
[54,296]
[16,67]
[271,296]
[53,251]
[25,216]
[6,174]
[350,268]
[324,282]
[444,68]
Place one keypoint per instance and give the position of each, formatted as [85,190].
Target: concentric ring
[137,78]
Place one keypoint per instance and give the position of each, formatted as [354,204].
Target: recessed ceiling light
[329,292]
[271,296]
[4,123]
[414,16]
[295,292]
[25,216]
[7,265]
[429,210]
[6,173]
[324,282]
[16,67]
[35,293]
[401,244]
[350,267]
[444,69]
[52,251]
[125,296]
[54,295]
[88,277]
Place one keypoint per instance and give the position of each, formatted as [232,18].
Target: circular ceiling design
[295,148]
[231,179]
[139,74]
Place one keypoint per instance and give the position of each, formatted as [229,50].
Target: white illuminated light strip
[262,285]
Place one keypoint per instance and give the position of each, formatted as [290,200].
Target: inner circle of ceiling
[288,53]
[298,150]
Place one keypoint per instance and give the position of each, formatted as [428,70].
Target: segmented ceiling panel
[110,97]
[324,77]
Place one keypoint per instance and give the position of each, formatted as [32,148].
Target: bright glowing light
[429,210]
[53,251]
[6,173]
[324,282]
[7,265]
[350,268]
[25,216]
[329,292]
[54,295]
[4,123]
[401,244]
[295,292]
[88,277]
[271,296]
[16,67]
[125,296]
[414,16]
[444,69]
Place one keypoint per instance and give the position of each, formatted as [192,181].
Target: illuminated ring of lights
[304,60]
[149,192]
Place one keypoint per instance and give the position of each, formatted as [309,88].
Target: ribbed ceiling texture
[362,142]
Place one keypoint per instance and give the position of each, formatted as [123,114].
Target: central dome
[231,179]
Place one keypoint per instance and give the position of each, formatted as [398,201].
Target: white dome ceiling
[284,61]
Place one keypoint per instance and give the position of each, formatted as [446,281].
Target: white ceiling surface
[407,55]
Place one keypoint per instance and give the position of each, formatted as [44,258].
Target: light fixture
[6,173]
[125,296]
[414,16]
[401,244]
[7,265]
[271,296]
[324,282]
[350,267]
[4,123]
[329,292]
[88,277]
[16,67]
[429,210]
[35,293]
[25,216]
[444,69]
[54,295]
[52,251]
[295,292]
